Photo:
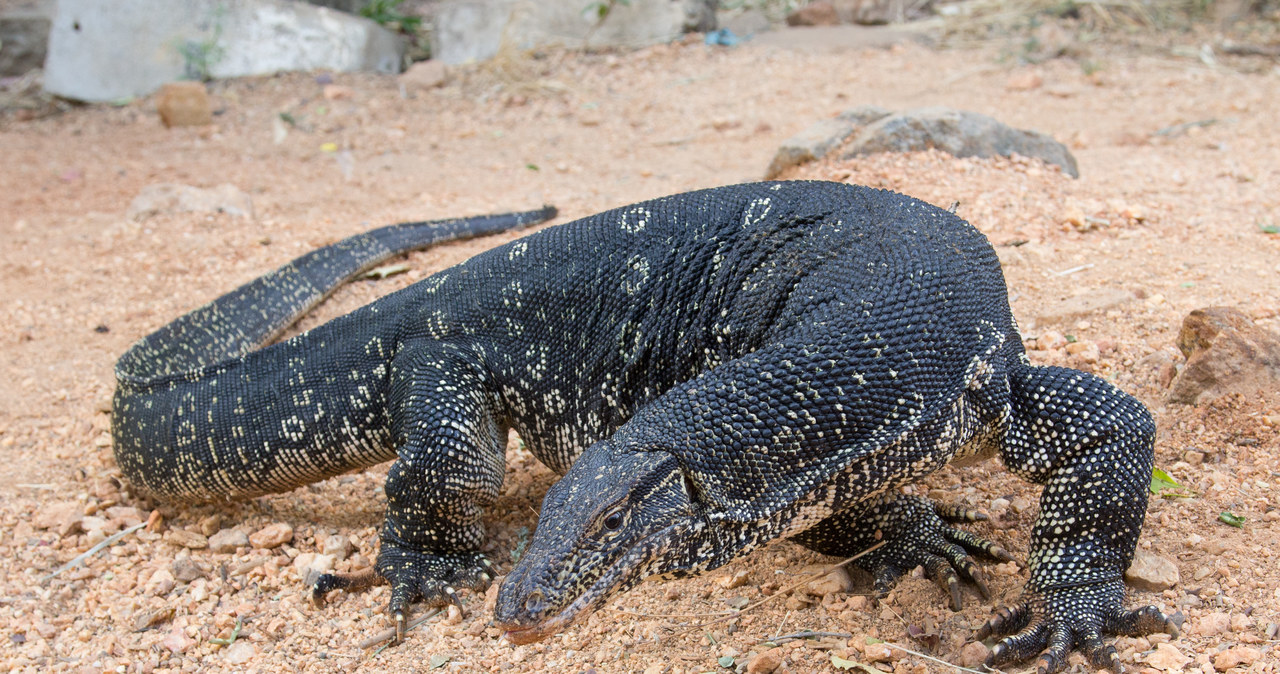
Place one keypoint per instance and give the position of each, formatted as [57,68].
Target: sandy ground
[1166,223]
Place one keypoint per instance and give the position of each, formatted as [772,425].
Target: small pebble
[271,536]
[228,540]
[766,662]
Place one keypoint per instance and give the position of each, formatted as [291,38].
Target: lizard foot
[431,577]
[918,535]
[1054,622]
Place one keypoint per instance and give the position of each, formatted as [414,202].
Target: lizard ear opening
[690,488]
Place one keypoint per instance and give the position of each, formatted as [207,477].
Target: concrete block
[101,51]
[473,30]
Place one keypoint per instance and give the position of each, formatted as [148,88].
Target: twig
[27,485]
[638,614]
[1249,49]
[390,632]
[1073,270]
[783,591]
[809,634]
[105,543]
[941,662]
[1179,129]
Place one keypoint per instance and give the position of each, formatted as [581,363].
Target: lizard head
[620,514]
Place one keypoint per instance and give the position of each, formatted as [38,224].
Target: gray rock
[1151,572]
[185,570]
[821,138]
[105,51]
[1226,353]
[23,43]
[473,30]
[174,198]
[960,133]
[880,12]
[228,540]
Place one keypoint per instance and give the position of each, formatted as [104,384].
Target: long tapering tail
[258,311]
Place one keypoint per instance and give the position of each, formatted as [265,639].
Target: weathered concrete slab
[100,51]
[473,30]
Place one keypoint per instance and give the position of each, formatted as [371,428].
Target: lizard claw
[1053,622]
[918,535]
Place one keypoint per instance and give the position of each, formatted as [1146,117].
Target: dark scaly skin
[872,343]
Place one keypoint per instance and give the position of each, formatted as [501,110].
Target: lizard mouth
[623,574]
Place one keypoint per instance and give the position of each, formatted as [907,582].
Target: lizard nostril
[534,603]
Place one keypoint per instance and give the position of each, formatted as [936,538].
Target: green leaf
[386,270]
[532,167]
[1071,339]
[438,661]
[1160,481]
[1269,229]
[847,665]
[725,661]
[1228,517]
[873,640]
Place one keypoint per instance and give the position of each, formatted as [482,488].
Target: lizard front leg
[1091,446]
[450,466]
[916,533]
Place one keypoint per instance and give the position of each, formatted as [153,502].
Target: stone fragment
[239,652]
[174,198]
[1151,572]
[836,581]
[228,540]
[211,524]
[1050,340]
[1213,624]
[176,640]
[1226,353]
[973,654]
[186,539]
[766,662]
[271,536]
[186,570]
[1168,658]
[877,653]
[337,546]
[820,138]
[106,51]
[733,580]
[1236,656]
[817,13]
[61,518]
[1024,81]
[146,619]
[425,75]
[960,133]
[1085,350]
[160,583]
[184,104]
[309,565]
[125,516]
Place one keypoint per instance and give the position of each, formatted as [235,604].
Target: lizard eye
[614,521]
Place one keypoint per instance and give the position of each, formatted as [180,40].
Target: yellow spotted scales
[710,370]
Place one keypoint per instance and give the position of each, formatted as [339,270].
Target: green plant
[602,8]
[387,13]
[199,57]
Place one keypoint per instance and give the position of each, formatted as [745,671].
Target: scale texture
[738,364]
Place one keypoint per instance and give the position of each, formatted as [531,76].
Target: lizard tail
[258,311]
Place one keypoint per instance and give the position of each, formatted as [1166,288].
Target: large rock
[879,12]
[101,51]
[1226,353]
[473,30]
[820,138]
[23,42]
[960,133]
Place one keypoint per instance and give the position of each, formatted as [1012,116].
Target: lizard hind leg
[916,534]
[450,466]
[1091,446]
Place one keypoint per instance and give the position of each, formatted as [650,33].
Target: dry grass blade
[107,542]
